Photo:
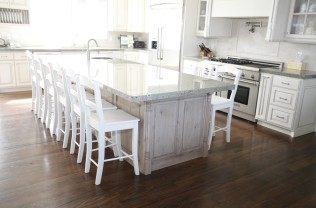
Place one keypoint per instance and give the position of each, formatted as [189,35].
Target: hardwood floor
[259,168]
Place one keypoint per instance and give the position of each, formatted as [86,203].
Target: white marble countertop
[138,82]
[65,49]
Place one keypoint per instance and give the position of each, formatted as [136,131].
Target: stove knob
[252,76]
[242,74]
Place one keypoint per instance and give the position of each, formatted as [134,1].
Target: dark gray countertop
[300,74]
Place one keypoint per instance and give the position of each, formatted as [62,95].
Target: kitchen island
[173,107]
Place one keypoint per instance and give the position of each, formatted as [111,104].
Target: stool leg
[67,126]
[89,149]
[116,138]
[212,127]
[101,154]
[228,123]
[135,150]
[73,132]
[59,121]
[82,139]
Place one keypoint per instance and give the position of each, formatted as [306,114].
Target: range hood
[164,4]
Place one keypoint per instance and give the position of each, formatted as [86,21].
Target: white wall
[253,45]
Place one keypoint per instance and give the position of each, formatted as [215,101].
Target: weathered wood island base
[171,131]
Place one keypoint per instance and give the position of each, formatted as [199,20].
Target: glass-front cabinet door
[302,19]
[202,17]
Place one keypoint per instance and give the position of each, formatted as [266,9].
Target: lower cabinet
[287,104]
[190,67]
[14,72]
[140,56]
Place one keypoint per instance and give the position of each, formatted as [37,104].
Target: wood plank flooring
[259,168]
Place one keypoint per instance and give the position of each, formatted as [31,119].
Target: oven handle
[245,81]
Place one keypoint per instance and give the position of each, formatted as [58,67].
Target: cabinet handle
[265,77]
[281,98]
[281,117]
[285,83]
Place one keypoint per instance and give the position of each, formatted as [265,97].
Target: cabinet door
[7,74]
[189,67]
[19,4]
[242,8]
[120,77]
[143,57]
[131,56]
[134,78]
[23,74]
[263,96]
[4,3]
[118,13]
[202,20]
[136,12]
[302,21]
[278,20]
[211,27]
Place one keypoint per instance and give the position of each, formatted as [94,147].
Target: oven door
[246,95]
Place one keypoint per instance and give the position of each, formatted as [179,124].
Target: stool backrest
[90,106]
[220,70]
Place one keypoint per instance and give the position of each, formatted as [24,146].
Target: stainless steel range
[247,91]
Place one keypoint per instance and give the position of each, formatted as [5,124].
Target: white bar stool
[104,121]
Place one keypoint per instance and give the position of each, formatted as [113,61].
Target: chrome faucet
[88,53]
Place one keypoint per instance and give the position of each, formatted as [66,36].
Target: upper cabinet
[127,15]
[242,8]
[14,4]
[211,27]
[293,21]
[302,21]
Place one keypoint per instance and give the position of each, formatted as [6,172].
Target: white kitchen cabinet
[287,104]
[263,96]
[136,16]
[302,21]
[242,8]
[143,57]
[126,15]
[131,56]
[136,56]
[190,67]
[23,74]
[211,27]
[7,74]
[14,4]
[14,72]
[293,21]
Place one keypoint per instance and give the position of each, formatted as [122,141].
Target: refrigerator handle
[161,44]
[158,42]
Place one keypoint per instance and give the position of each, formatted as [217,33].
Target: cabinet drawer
[20,56]
[280,117]
[6,56]
[283,97]
[286,82]
[189,63]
